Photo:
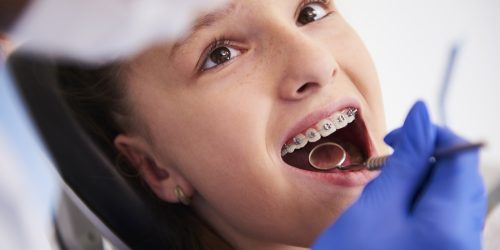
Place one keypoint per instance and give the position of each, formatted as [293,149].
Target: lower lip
[339,177]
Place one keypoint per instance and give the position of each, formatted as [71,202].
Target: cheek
[355,61]
[222,151]
[361,72]
[210,133]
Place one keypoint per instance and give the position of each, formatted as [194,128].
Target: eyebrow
[204,22]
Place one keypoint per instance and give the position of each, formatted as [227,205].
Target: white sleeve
[28,185]
[96,30]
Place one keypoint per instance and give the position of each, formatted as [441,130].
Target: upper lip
[313,118]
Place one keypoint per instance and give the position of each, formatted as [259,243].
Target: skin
[214,133]
[6,46]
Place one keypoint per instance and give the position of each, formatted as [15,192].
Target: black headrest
[84,169]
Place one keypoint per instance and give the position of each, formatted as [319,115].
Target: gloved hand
[414,204]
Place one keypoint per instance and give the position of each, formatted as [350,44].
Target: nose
[308,65]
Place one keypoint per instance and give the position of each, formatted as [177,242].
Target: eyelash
[222,41]
[325,4]
[215,44]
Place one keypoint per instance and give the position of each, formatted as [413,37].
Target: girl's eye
[219,56]
[311,12]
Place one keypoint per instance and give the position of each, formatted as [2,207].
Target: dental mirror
[326,156]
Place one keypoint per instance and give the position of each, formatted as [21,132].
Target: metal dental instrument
[377,162]
[329,147]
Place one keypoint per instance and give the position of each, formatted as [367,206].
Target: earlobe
[165,182]
[181,196]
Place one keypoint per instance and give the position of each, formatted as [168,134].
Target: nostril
[302,89]
[305,87]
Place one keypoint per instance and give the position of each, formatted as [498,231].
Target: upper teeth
[323,128]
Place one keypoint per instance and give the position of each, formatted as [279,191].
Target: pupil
[220,55]
[307,15]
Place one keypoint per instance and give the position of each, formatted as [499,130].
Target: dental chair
[97,201]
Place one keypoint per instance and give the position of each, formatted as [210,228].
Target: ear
[161,177]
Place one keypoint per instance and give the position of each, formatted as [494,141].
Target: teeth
[348,118]
[313,135]
[350,114]
[300,141]
[323,128]
[284,150]
[339,120]
[288,149]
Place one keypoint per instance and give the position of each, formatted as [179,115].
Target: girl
[219,124]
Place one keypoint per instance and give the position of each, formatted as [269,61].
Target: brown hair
[95,95]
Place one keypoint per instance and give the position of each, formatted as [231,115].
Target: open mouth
[345,128]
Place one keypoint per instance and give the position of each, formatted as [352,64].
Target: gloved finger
[455,194]
[405,170]
[392,137]
[417,136]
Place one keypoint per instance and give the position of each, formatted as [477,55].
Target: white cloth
[97,30]
[27,184]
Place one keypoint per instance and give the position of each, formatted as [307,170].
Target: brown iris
[220,55]
[307,15]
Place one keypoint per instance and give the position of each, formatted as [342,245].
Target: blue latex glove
[414,204]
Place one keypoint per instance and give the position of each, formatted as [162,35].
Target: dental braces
[323,128]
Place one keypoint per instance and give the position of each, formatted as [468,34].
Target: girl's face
[216,108]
